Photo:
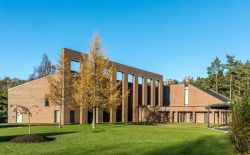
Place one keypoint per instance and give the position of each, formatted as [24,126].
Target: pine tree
[215,72]
[233,82]
[230,75]
[202,83]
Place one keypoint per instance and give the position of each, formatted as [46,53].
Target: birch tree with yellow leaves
[58,91]
[93,87]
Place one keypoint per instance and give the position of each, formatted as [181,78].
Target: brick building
[187,103]
[175,103]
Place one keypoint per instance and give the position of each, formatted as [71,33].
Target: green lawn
[120,139]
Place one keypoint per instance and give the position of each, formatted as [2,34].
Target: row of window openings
[75,66]
[131,78]
[46,101]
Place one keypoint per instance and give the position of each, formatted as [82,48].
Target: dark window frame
[46,102]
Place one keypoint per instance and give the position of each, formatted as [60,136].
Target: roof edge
[206,91]
[30,82]
[219,94]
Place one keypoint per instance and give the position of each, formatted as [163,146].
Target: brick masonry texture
[33,93]
[197,101]
[30,94]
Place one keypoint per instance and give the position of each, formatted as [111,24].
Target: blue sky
[174,38]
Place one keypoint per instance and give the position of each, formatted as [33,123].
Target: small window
[46,103]
[74,66]
[186,96]
[119,76]
[149,82]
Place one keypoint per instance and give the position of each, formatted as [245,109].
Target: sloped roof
[214,94]
[32,81]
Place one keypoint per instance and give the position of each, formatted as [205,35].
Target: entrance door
[19,117]
[72,117]
[57,116]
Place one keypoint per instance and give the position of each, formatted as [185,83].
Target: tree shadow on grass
[205,145]
[98,130]
[144,123]
[17,125]
[47,135]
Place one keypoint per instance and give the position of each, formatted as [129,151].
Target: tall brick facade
[182,106]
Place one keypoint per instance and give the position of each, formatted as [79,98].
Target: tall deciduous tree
[93,86]
[57,88]
[44,69]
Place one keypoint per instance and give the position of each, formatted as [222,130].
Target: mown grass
[7,125]
[120,139]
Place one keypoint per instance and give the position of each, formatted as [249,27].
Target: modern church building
[174,103]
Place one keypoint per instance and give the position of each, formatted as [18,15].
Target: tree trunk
[216,82]
[29,125]
[231,78]
[94,118]
[81,116]
[60,117]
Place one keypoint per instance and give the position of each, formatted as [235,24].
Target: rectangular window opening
[46,102]
[119,76]
[186,96]
[74,66]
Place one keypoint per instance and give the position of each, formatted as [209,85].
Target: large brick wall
[68,56]
[30,94]
[198,99]
[196,96]
[177,95]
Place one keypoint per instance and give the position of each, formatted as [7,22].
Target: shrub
[153,117]
[3,119]
[240,124]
